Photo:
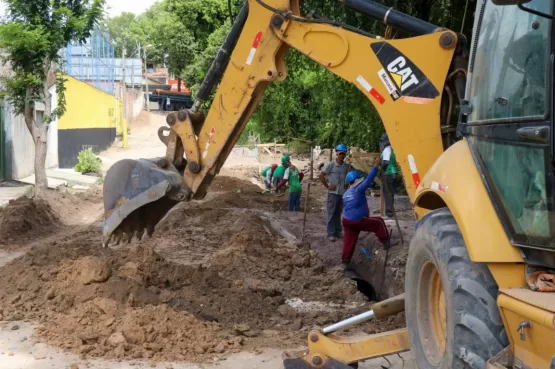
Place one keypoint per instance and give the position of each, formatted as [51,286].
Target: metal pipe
[219,64]
[391,17]
[357,319]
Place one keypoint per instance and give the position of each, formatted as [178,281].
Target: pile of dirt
[25,218]
[70,207]
[132,302]
[212,280]
[229,192]
[224,183]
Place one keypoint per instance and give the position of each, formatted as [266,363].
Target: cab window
[509,77]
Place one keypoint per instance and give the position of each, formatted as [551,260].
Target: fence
[240,151]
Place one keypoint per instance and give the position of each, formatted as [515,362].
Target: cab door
[509,124]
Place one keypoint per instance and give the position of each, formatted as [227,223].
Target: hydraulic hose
[391,17]
[219,64]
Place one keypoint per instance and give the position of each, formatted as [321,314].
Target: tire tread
[478,327]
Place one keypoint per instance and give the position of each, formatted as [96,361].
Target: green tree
[171,41]
[208,22]
[126,31]
[311,104]
[167,39]
[31,38]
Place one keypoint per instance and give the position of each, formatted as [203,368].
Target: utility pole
[132,76]
[146,80]
[124,99]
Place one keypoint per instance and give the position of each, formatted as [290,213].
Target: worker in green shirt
[280,172]
[391,171]
[267,174]
[293,176]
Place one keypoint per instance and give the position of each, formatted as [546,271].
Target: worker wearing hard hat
[356,216]
[280,172]
[293,177]
[267,174]
[333,177]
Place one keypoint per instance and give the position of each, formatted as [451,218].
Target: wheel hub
[432,314]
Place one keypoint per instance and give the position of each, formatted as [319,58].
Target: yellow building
[92,119]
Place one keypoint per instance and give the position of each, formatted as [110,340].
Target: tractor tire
[451,311]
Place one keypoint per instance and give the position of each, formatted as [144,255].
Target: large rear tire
[451,311]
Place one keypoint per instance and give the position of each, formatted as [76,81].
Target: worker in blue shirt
[356,215]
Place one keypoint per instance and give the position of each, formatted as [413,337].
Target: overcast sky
[117,6]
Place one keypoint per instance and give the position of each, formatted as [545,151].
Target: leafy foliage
[32,36]
[126,32]
[312,105]
[88,162]
[168,40]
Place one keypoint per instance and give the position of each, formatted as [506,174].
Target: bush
[88,162]
[298,147]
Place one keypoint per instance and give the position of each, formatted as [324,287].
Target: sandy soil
[223,280]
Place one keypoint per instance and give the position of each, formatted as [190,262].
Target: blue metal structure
[93,61]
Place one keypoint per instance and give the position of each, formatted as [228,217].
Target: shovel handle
[379,310]
[388,307]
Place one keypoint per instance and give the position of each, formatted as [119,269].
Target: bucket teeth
[137,195]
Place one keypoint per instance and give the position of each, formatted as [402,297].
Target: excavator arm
[404,79]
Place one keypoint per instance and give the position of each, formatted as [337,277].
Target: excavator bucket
[137,195]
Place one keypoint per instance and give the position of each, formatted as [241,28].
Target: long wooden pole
[385,190]
[305,209]
[311,163]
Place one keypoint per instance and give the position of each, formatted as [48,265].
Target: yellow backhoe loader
[472,129]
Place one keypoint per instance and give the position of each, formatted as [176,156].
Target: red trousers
[351,230]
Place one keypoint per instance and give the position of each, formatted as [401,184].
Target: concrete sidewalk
[53,183]
[13,190]
[71,177]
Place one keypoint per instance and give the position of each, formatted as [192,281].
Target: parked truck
[171,100]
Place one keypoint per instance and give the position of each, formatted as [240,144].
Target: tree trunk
[41,181]
[41,139]
[179,84]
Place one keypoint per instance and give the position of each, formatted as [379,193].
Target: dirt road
[224,282]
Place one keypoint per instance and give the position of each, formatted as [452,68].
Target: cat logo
[401,77]
[401,74]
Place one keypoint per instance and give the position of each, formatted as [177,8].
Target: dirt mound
[224,183]
[25,218]
[135,303]
[70,207]
[230,192]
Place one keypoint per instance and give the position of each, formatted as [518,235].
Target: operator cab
[510,118]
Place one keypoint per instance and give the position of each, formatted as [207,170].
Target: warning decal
[368,87]
[254,47]
[205,152]
[414,170]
